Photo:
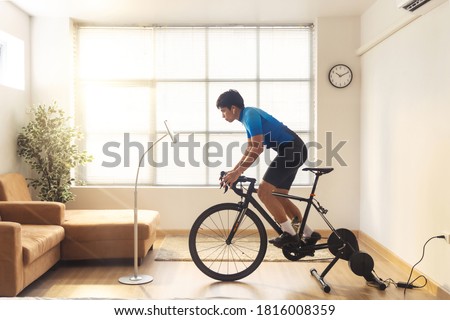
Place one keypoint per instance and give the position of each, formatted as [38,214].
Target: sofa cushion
[38,239]
[98,225]
[13,187]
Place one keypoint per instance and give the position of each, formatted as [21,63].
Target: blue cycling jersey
[257,121]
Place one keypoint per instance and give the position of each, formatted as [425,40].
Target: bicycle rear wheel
[210,251]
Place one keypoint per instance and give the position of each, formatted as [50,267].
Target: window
[129,80]
[12,61]
[2,59]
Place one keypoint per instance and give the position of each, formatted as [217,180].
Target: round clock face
[340,76]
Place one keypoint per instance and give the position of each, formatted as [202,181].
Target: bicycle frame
[311,201]
[249,199]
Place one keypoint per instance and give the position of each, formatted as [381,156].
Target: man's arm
[254,148]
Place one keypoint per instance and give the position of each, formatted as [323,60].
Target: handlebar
[240,179]
[252,182]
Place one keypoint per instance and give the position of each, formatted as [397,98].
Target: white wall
[338,113]
[13,102]
[52,61]
[405,137]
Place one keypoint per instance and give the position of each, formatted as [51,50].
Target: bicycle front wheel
[227,261]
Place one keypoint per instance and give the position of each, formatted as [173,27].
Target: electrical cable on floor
[387,282]
[409,284]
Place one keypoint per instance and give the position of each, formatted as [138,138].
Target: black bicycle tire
[261,231]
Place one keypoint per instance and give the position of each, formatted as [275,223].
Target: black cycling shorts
[283,168]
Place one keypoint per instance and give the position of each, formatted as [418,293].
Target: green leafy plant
[48,145]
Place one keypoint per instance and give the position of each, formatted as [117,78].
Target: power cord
[387,282]
[409,284]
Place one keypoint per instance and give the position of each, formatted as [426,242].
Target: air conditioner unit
[419,7]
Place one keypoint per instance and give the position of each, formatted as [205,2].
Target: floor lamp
[137,278]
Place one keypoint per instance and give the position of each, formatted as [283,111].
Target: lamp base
[139,279]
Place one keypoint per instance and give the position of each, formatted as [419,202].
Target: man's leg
[289,207]
[272,203]
[293,211]
[276,208]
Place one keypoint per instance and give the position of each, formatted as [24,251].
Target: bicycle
[228,241]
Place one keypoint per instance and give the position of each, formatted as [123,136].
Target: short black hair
[230,98]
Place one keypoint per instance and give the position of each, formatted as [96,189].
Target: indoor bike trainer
[228,241]
[342,243]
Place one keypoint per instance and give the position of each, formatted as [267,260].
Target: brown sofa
[35,235]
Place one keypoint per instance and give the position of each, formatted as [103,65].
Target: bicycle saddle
[319,170]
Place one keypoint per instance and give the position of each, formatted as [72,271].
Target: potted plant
[48,145]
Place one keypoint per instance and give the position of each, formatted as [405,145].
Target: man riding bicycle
[264,130]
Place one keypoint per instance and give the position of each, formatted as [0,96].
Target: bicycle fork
[237,223]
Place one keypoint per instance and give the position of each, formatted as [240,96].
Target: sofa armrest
[11,265]
[32,212]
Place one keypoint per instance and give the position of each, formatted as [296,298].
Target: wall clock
[340,76]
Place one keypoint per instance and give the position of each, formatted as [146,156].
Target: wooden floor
[182,280]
